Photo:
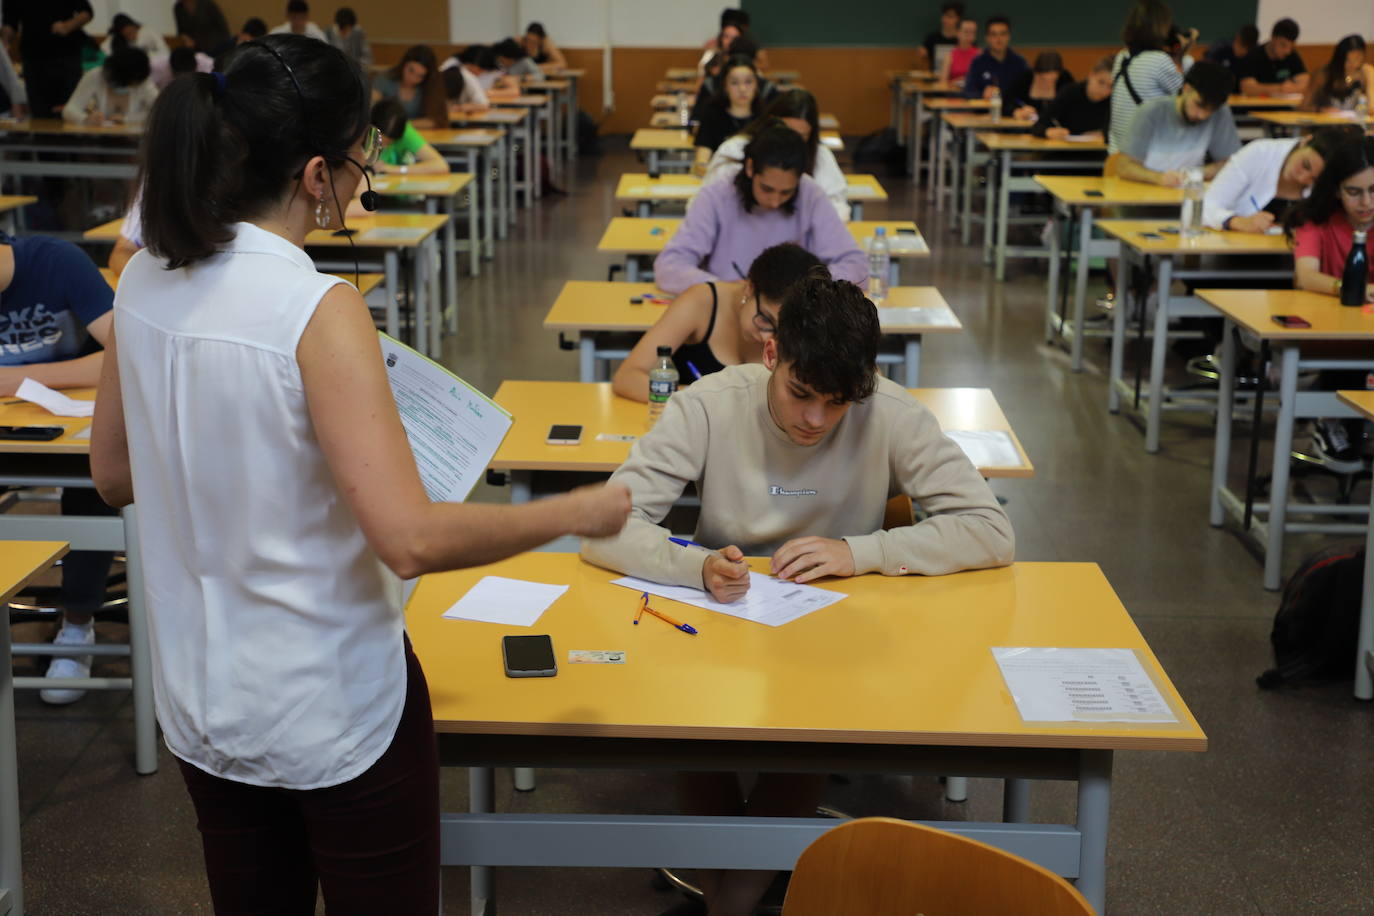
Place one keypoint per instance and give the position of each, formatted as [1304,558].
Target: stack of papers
[769,601]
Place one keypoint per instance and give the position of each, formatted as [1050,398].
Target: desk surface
[1362,401]
[25,414]
[522,101]
[1254,309]
[538,405]
[600,305]
[956,104]
[10,202]
[636,235]
[1030,143]
[510,116]
[421,185]
[370,231]
[680,73]
[1253,102]
[554,84]
[1133,231]
[654,138]
[664,100]
[638,186]
[902,660]
[58,127]
[1307,118]
[472,136]
[1092,190]
[981,120]
[366,282]
[929,86]
[21,561]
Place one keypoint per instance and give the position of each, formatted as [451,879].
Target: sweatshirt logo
[783,491]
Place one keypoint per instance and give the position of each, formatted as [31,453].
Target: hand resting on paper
[805,559]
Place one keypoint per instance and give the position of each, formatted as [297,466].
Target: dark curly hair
[777,268]
[777,146]
[1354,153]
[828,331]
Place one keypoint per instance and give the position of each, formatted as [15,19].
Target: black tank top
[699,354]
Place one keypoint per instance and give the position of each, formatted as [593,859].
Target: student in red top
[962,54]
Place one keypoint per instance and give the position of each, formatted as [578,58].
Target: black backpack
[1317,624]
[881,149]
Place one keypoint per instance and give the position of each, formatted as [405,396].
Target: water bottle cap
[665,351]
[1360,235]
[880,230]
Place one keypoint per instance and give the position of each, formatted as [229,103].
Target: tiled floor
[1276,818]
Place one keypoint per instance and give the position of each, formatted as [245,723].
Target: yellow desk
[1293,122]
[47,148]
[1086,194]
[543,123]
[1362,402]
[829,121]
[665,102]
[643,192]
[563,115]
[680,73]
[915,95]
[637,237]
[608,324]
[832,141]
[20,563]
[481,151]
[439,194]
[955,155]
[1239,103]
[521,126]
[366,282]
[537,405]
[816,695]
[573,75]
[1156,247]
[65,462]
[655,143]
[1253,311]
[9,206]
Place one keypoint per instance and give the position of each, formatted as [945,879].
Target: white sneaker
[74,666]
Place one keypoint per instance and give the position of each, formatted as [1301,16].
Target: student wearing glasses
[244,402]
[718,323]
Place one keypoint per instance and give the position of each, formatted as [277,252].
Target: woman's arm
[1307,275]
[556,58]
[110,470]
[364,443]
[82,372]
[428,161]
[684,322]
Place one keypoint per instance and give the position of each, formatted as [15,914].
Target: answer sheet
[454,429]
[987,448]
[769,601]
[1081,685]
[55,402]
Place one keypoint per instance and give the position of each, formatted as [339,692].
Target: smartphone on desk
[564,434]
[31,433]
[1291,321]
[528,656]
[344,233]
[1092,193]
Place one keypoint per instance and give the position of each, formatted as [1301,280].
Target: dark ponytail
[225,148]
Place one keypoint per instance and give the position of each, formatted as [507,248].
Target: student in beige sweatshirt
[796,459]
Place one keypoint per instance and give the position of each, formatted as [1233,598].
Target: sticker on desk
[987,448]
[394,234]
[514,602]
[615,437]
[922,316]
[769,601]
[595,657]
[1081,685]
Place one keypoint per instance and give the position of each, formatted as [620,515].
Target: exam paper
[897,242]
[1083,138]
[454,430]
[55,402]
[1081,685]
[986,448]
[769,601]
[514,602]
[855,191]
[394,234]
[923,316]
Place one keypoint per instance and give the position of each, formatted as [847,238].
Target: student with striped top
[1144,70]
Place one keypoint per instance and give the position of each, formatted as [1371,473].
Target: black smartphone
[31,433]
[564,434]
[528,656]
[1169,230]
[906,231]
[1291,321]
[344,233]
[1152,236]
[1092,193]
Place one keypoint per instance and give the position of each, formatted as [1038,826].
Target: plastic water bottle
[662,384]
[1190,217]
[684,111]
[879,257]
[1355,277]
[995,105]
[1362,107]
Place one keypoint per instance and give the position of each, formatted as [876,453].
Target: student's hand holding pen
[726,575]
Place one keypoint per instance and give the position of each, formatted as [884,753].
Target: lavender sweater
[717,234]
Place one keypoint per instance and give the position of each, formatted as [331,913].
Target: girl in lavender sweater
[772,200]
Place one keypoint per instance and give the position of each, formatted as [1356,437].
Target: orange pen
[644,606]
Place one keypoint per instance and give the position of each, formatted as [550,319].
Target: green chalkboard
[793,23]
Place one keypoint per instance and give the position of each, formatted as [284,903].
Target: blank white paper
[55,402]
[514,602]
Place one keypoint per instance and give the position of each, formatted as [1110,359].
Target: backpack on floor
[588,143]
[1317,624]
[880,148]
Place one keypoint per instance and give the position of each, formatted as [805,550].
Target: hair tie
[221,84]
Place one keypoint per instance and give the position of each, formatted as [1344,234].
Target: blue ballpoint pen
[683,542]
[696,373]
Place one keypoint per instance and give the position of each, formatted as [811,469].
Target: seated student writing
[515,62]
[55,319]
[541,48]
[1258,185]
[415,83]
[403,151]
[1168,135]
[795,460]
[795,108]
[1035,90]
[463,87]
[1081,109]
[1346,78]
[1274,67]
[771,200]
[119,91]
[717,323]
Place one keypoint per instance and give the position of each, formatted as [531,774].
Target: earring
[323,218]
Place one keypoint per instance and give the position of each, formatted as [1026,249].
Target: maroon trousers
[371,844]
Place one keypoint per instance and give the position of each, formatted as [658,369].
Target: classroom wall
[1321,21]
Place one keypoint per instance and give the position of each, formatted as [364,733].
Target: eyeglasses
[372,145]
[764,323]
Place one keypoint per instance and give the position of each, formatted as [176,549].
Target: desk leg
[653,163]
[11,865]
[956,788]
[475,240]
[391,270]
[913,361]
[937,178]
[1052,285]
[450,300]
[1278,488]
[917,104]
[989,208]
[523,778]
[535,174]
[419,301]
[586,357]
[1364,646]
[1016,801]
[1158,351]
[1080,291]
[644,209]
[967,209]
[140,654]
[1003,212]
[521,484]
[856,211]
[1221,450]
[632,269]
[957,158]
[1124,302]
[894,273]
[504,181]
[434,261]
[1094,809]
[481,800]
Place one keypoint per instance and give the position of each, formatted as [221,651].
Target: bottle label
[660,390]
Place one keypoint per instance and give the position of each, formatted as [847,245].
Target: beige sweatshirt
[759,490]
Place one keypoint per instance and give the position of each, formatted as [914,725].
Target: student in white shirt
[119,91]
[244,403]
[1257,186]
[127,32]
[298,22]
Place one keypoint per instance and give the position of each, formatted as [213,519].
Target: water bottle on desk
[1361,108]
[684,111]
[662,384]
[1355,277]
[1190,217]
[879,257]
[995,105]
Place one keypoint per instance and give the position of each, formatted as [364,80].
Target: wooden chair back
[880,866]
[898,513]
